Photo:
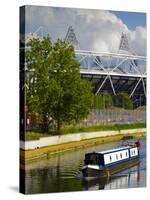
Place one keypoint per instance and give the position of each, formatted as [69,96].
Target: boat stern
[92,171]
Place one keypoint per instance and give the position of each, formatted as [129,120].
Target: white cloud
[95,29]
[138,40]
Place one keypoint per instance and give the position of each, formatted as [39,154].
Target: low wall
[55,140]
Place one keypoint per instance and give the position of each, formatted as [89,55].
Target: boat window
[134,152]
[126,154]
[120,155]
[110,158]
[91,159]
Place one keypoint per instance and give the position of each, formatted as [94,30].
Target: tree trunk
[58,126]
[45,124]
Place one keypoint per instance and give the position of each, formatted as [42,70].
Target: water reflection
[62,173]
[132,179]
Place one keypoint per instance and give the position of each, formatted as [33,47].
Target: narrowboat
[109,162]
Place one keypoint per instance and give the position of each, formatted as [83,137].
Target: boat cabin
[112,156]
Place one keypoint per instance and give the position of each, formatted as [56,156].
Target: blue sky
[131,19]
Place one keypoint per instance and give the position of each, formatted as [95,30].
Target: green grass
[28,156]
[35,135]
[74,129]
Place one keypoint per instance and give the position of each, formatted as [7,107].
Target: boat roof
[116,149]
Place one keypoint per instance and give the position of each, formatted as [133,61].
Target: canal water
[62,172]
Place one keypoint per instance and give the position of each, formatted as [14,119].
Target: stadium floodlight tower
[135,67]
[116,72]
[124,43]
[71,38]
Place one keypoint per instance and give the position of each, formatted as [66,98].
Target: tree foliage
[102,101]
[107,100]
[123,100]
[97,102]
[55,87]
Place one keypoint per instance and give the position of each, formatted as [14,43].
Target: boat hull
[107,171]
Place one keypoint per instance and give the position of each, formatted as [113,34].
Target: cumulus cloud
[138,40]
[96,30]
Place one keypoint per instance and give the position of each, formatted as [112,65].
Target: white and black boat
[109,162]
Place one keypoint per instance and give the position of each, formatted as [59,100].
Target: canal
[62,172]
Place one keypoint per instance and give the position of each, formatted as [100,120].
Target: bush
[107,100]
[123,100]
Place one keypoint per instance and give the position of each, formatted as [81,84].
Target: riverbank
[31,135]
[48,151]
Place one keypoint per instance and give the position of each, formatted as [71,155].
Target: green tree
[123,100]
[107,100]
[97,101]
[58,92]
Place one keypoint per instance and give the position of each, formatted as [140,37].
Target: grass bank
[46,152]
[112,127]
[75,129]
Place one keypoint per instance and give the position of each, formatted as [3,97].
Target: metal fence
[115,116]
[97,117]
